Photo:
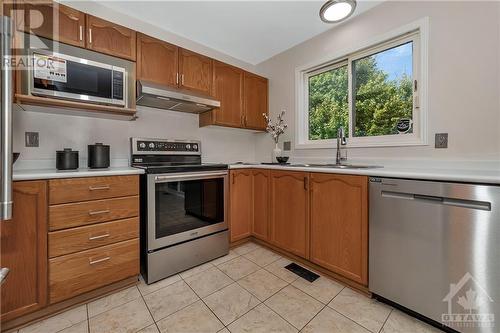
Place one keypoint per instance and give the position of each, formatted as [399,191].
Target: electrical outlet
[287,145]
[441,140]
[31,139]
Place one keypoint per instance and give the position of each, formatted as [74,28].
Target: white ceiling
[251,31]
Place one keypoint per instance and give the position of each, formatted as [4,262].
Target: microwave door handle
[6,122]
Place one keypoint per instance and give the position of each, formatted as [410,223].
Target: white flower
[277,128]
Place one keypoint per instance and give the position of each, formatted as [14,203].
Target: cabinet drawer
[92,188]
[74,274]
[90,212]
[83,238]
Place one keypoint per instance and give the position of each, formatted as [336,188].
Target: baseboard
[73,302]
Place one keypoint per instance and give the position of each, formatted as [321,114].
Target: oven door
[185,206]
[63,76]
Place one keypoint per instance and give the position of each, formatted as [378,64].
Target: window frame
[417,32]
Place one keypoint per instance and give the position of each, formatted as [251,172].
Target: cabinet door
[254,101]
[228,89]
[339,224]
[113,39]
[53,21]
[157,61]
[24,251]
[195,71]
[241,204]
[260,221]
[290,211]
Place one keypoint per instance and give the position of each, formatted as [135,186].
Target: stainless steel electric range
[183,206]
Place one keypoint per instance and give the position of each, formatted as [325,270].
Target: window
[374,94]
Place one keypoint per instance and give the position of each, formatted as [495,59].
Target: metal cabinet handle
[93,262]
[90,35]
[176,78]
[99,212]
[81,32]
[4,271]
[98,188]
[232,178]
[182,79]
[305,183]
[99,237]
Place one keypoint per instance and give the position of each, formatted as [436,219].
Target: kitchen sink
[337,166]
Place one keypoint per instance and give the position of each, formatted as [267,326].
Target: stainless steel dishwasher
[435,249]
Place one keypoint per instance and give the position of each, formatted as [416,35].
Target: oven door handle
[189,176]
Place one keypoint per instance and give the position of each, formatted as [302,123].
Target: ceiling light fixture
[334,11]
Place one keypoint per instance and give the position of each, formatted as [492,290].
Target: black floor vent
[302,272]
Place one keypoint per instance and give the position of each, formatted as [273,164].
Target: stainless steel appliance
[6,127]
[183,206]
[163,97]
[434,249]
[72,73]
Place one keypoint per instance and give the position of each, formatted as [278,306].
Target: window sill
[332,144]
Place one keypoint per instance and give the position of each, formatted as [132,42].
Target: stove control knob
[195,147]
[188,146]
[142,145]
[151,145]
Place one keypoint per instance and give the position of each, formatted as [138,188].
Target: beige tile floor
[245,291]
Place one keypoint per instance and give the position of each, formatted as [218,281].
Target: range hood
[163,97]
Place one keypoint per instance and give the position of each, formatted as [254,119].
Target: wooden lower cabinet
[241,211]
[76,273]
[289,215]
[260,220]
[339,224]
[24,251]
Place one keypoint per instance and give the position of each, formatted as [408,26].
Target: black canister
[98,156]
[66,159]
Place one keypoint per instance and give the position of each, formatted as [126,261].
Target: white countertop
[32,174]
[469,175]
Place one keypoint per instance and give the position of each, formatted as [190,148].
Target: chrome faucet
[341,141]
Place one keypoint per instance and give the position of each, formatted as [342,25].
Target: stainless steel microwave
[66,72]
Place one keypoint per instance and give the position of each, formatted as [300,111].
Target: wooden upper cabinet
[157,61]
[339,224]
[241,209]
[228,89]
[289,220]
[260,220]
[195,71]
[24,251]
[255,101]
[110,38]
[53,21]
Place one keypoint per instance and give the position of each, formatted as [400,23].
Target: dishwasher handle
[463,203]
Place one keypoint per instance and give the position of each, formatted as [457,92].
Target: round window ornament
[334,11]
[404,125]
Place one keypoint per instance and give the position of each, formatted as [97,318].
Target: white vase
[276,153]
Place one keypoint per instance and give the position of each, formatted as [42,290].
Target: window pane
[383,91]
[328,103]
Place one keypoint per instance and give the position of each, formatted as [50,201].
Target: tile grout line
[350,319]
[88,317]
[147,307]
[201,299]
[385,321]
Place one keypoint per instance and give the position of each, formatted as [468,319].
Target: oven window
[188,205]
[81,79]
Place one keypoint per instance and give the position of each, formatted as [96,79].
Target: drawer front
[90,212]
[83,238]
[76,273]
[92,188]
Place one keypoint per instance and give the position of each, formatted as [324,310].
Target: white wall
[59,131]
[464,76]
